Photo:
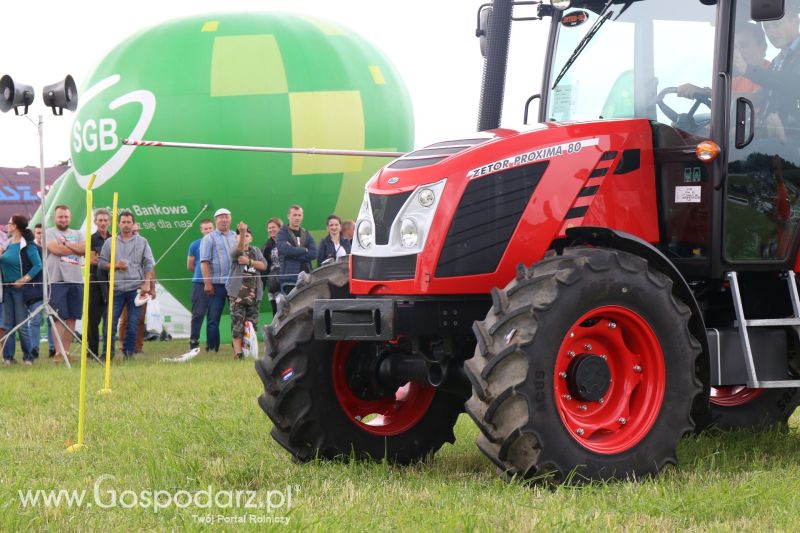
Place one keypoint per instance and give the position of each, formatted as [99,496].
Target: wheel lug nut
[604,356]
[571,334]
[587,347]
[612,325]
[579,431]
[583,407]
[601,400]
[562,375]
[567,397]
[623,421]
[637,368]
[571,353]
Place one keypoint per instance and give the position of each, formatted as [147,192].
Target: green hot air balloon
[257,79]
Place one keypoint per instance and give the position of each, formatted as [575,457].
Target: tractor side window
[763,184]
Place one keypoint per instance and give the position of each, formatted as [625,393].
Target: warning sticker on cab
[540,154]
[687,195]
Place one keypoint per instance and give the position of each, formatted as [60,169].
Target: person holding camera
[244,286]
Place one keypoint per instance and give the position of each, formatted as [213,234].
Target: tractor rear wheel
[314,400]
[743,408]
[584,369]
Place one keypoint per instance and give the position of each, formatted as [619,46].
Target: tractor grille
[384,268]
[486,217]
[384,210]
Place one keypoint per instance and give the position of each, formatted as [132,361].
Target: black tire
[770,407]
[309,421]
[513,372]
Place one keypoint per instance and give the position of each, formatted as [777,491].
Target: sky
[432,43]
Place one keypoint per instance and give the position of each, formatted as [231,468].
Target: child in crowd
[244,286]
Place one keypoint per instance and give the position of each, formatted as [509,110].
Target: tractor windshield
[646,59]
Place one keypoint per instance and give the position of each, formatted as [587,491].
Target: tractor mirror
[766,10]
[482,32]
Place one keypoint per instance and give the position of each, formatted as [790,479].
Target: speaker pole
[45,282]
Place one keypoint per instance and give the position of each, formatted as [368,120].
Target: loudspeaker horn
[61,95]
[14,95]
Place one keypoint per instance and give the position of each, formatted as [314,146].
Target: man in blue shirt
[216,250]
[199,298]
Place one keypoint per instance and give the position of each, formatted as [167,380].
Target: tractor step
[742,324]
[764,322]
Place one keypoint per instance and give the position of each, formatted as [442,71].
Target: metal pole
[311,151]
[43,207]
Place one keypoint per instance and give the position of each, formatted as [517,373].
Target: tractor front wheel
[316,397]
[584,369]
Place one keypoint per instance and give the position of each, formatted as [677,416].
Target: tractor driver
[750,50]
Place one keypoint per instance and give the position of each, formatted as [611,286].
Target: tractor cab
[699,71]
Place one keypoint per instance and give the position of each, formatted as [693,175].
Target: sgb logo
[91,135]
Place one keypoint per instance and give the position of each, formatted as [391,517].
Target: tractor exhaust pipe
[498,34]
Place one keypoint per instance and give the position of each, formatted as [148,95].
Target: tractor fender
[625,242]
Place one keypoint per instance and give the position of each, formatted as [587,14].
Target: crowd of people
[227,267]
[22,286]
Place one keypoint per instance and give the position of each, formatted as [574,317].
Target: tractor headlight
[408,228]
[365,233]
[409,235]
[426,197]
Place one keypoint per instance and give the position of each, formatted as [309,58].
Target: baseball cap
[221,211]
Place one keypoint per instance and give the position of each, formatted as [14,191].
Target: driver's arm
[688,90]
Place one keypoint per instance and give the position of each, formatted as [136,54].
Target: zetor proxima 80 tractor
[590,289]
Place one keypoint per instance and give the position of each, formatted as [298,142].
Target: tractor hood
[473,209]
[479,155]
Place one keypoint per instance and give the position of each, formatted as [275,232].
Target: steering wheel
[684,121]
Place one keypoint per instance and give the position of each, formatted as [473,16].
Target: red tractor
[591,289]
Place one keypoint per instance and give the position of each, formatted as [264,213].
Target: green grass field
[197,425]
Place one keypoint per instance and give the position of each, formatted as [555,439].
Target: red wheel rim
[384,417]
[629,408]
[733,396]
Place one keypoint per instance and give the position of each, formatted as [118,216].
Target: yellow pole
[107,386]
[85,318]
